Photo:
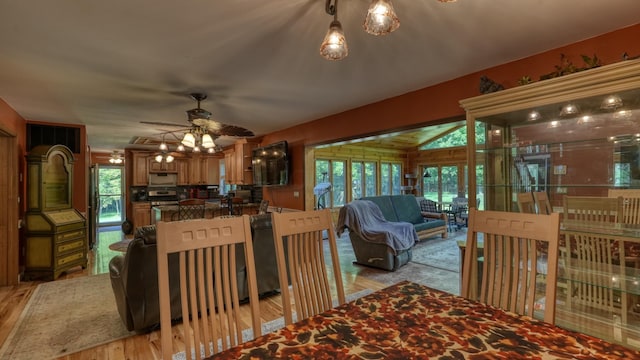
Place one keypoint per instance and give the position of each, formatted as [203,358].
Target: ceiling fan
[201,119]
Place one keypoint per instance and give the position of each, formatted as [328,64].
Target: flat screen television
[271,165]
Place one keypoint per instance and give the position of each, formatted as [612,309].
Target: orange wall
[432,104]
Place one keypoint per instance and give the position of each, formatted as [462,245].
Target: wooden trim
[9,241]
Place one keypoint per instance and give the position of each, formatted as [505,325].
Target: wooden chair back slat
[542,202]
[209,294]
[518,251]
[298,237]
[526,204]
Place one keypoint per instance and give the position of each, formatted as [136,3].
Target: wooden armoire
[56,234]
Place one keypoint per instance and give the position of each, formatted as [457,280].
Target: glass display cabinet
[56,237]
[574,135]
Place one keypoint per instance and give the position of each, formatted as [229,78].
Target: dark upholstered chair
[134,275]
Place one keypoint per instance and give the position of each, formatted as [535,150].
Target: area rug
[438,252]
[64,317]
[269,326]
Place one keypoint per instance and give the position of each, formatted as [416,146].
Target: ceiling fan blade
[157,123]
[232,130]
[220,129]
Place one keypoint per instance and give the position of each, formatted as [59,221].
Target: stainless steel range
[161,197]
[162,189]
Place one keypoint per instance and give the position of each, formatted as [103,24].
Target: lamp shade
[334,45]
[189,140]
[207,141]
[158,158]
[381,18]
[168,158]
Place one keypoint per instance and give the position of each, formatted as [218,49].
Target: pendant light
[381,18]
[334,45]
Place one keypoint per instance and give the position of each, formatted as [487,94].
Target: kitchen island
[170,212]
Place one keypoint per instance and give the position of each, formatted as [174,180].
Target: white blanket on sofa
[365,218]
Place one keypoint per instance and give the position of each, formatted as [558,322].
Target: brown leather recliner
[134,275]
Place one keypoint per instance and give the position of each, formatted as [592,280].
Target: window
[390,178]
[363,179]
[332,171]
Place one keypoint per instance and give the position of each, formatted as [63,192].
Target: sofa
[405,208]
[134,275]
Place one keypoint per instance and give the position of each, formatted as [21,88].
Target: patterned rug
[438,252]
[64,317]
[435,263]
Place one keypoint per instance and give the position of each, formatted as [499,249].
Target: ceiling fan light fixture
[158,158]
[180,148]
[169,158]
[196,149]
[381,18]
[211,150]
[207,141]
[116,158]
[189,140]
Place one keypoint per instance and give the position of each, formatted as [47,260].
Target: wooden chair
[630,204]
[190,209]
[542,202]
[301,257]
[526,204]
[207,259]
[592,209]
[511,243]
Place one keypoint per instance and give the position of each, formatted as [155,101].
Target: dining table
[412,321]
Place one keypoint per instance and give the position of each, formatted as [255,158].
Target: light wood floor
[13,299]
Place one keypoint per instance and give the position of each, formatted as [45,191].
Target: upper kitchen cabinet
[237,161]
[577,134]
[140,168]
[204,170]
[162,166]
[183,166]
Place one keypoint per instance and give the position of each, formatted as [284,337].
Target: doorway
[110,195]
[9,188]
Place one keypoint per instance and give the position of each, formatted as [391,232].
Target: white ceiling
[110,64]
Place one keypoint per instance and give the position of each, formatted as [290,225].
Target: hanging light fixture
[207,141]
[163,145]
[189,140]
[334,45]
[116,158]
[381,18]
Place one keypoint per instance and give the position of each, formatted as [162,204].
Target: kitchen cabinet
[183,167]
[204,170]
[237,162]
[140,168]
[162,167]
[230,165]
[141,214]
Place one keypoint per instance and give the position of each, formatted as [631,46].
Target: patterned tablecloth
[411,321]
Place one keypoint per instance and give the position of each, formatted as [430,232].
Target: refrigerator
[92,209]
